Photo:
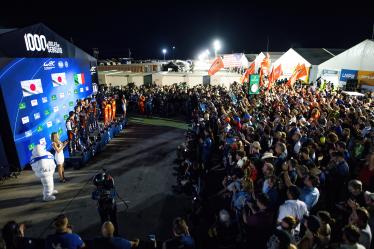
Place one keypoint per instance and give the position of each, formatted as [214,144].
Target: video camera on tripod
[105,189]
[105,195]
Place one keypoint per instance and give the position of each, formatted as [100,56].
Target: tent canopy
[359,57]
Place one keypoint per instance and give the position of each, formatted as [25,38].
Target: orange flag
[274,75]
[216,66]
[265,64]
[277,72]
[302,71]
[292,79]
[264,69]
[249,71]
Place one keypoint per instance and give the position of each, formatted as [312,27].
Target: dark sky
[146,27]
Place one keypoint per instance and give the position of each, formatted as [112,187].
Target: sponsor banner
[31,87]
[366,78]
[347,74]
[326,72]
[49,124]
[30,97]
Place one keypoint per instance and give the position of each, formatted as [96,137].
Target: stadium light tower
[164,51]
[216,46]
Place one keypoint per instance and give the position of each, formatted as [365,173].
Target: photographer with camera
[105,194]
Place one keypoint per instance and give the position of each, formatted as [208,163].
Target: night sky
[191,26]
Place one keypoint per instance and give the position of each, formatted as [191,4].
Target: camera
[105,189]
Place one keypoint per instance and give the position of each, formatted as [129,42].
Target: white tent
[311,57]
[289,61]
[359,58]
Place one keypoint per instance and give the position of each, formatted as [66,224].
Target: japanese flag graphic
[31,87]
[58,79]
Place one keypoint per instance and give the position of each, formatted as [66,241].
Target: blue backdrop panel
[38,94]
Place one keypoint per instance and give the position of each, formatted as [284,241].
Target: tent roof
[358,57]
[316,56]
[251,57]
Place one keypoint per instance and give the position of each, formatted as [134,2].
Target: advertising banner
[366,78]
[38,94]
[347,74]
[254,84]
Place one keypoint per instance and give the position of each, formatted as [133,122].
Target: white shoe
[49,198]
[55,192]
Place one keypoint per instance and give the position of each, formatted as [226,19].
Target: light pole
[216,46]
[207,52]
[173,52]
[164,52]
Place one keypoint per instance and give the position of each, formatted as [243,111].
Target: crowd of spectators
[287,168]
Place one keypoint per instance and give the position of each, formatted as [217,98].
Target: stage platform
[101,139]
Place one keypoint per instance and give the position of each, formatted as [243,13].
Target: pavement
[140,159]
